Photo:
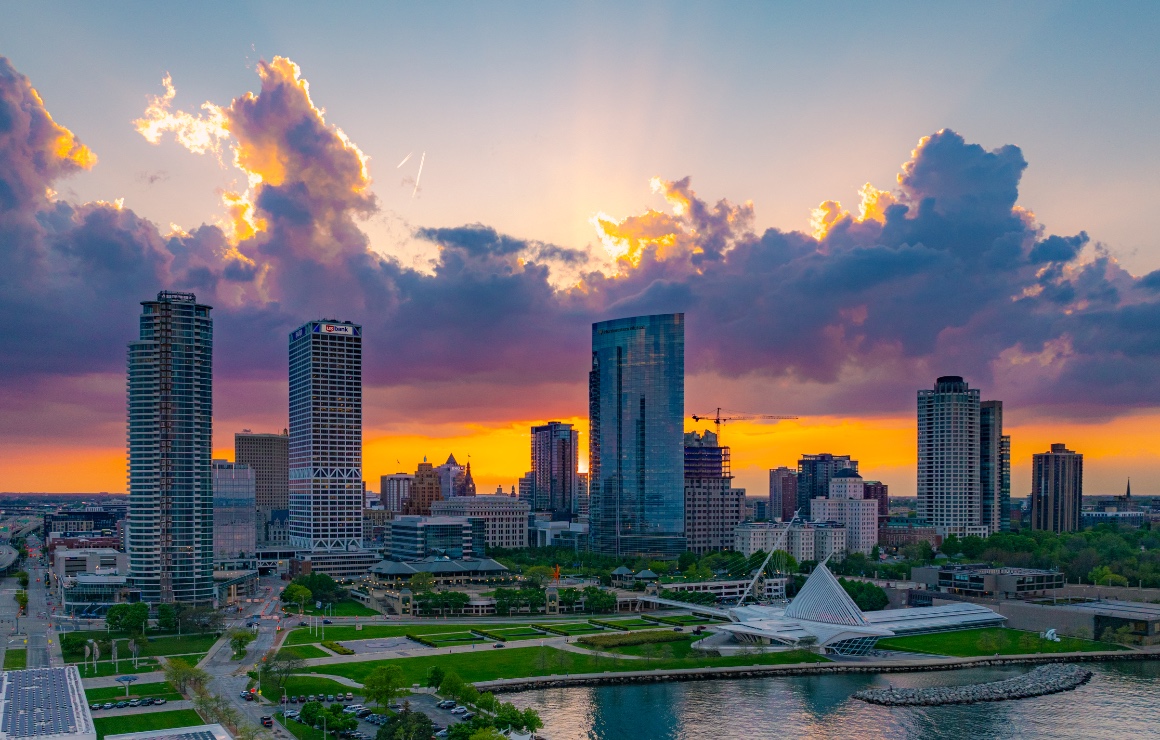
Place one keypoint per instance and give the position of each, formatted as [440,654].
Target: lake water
[1121,702]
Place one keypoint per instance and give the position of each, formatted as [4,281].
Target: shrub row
[490,635]
[623,639]
[553,630]
[422,640]
[337,647]
[667,620]
[609,625]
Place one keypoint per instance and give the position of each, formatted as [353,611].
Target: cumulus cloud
[942,273]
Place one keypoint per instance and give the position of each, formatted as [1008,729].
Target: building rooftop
[1122,609]
[44,703]
[198,732]
[437,566]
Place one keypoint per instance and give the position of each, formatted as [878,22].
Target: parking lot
[370,721]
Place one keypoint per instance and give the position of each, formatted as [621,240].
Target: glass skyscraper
[234,514]
[170,439]
[994,467]
[636,409]
[554,459]
[326,493]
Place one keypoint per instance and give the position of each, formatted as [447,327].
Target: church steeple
[1128,494]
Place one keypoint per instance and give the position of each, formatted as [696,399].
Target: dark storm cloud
[944,275]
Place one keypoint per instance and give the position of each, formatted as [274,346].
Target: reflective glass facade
[234,513]
[170,439]
[636,408]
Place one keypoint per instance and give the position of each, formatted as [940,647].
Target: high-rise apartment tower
[949,495]
[170,440]
[994,468]
[1056,489]
[814,474]
[554,466]
[636,408]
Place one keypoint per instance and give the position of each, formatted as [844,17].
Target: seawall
[616,678]
[1043,680]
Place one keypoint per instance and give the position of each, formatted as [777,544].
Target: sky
[846,201]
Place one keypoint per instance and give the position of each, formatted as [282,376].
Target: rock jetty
[1046,679]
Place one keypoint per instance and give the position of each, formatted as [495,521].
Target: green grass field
[155,646]
[148,721]
[348,608]
[455,638]
[989,641]
[304,652]
[304,636]
[137,690]
[678,649]
[689,619]
[632,624]
[486,665]
[15,658]
[108,668]
[517,633]
[304,686]
[578,628]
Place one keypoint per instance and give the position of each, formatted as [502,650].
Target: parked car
[293,699]
[363,713]
[95,707]
[109,705]
[310,698]
[121,704]
[159,700]
[330,697]
[350,696]
[459,710]
[467,716]
[498,645]
[248,696]
[446,704]
[147,701]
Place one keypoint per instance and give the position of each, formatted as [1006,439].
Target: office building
[170,438]
[326,486]
[80,521]
[876,490]
[268,455]
[527,492]
[1056,489]
[555,457]
[949,495]
[900,531]
[416,537]
[783,494]
[505,519]
[395,490]
[814,473]
[994,468]
[581,506]
[455,479]
[234,513]
[376,527]
[979,579]
[426,489]
[636,408]
[712,506]
[846,506]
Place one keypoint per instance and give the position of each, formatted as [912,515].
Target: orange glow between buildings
[499,454]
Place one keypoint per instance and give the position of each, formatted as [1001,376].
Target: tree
[531,720]
[451,685]
[184,675]
[115,616]
[197,618]
[239,639]
[166,617]
[22,578]
[384,684]
[407,725]
[422,583]
[322,587]
[311,713]
[506,599]
[598,600]
[538,576]
[435,677]
[280,666]
[487,733]
[22,601]
[1103,576]
[296,594]
[136,618]
[686,560]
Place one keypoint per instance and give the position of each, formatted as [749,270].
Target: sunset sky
[846,201]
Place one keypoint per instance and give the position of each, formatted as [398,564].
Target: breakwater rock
[1047,679]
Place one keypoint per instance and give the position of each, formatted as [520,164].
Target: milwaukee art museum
[823,617]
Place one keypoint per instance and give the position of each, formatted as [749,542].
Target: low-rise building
[505,519]
[196,732]
[729,589]
[376,525]
[545,533]
[446,571]
[44,704]
[900,531]
[68,562]
[811,541]
[845,505]
[417,537]
[979,579]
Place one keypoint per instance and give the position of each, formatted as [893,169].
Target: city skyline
[794,304]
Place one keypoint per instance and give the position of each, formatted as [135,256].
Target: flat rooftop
[44,703]
[197,732]
[1122,609]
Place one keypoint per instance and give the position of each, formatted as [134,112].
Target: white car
[459,710]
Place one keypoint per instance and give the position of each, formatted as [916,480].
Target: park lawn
[517,633]
[969,643]
[679,649]
[146,721]
[305,652]
[488,665]
[304,686]
[578,628]
[454,638]
[117,693]
[346,608]
[305,636]
[632,624]
[690,619]
[125,665]
[15,658]
[157,644]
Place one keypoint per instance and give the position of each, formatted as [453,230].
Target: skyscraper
[994,468]
[814,474]
[395,490]
[783,494]
[326,487]
[880,492]
[713,508]
[554,464]
[1056,489]
[426,489]
[636,407]
[846,505]
[170,439]
[268,455]
[234,512]
[949,487]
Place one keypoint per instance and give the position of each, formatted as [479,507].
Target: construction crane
[718,419]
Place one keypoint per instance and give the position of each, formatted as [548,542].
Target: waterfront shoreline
[512,685]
